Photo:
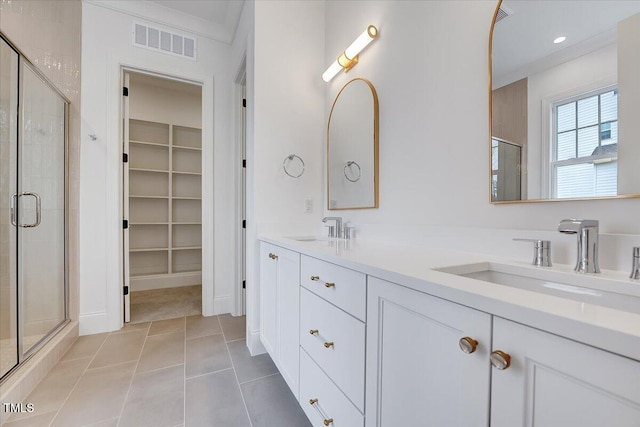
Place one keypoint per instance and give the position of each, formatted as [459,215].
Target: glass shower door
[8,187]
[41,209]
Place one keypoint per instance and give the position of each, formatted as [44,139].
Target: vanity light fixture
[349,57]
[558,40]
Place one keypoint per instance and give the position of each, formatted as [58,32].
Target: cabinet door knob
[328,421]
[328,344]
[273,256]
[500,360]
[313,401]
[468,345]
[313,332]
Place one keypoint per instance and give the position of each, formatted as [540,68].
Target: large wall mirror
[352,148]
[565,100]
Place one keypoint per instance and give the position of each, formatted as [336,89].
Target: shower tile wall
[49,34]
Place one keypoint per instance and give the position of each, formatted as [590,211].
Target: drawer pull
[468,345]
[500,360]
[326,284]
[313,332]
[273,256]
[328,344]
[326,421]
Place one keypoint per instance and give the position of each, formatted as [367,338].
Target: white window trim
[548,126]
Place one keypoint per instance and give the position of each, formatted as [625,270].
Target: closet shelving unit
[165,205]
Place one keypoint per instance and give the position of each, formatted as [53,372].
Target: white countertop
[414,267]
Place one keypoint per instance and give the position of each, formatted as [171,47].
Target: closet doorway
[162,197]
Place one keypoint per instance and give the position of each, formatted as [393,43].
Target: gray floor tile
[215,400]
[55,387]
[159,304]
[169,325]
[98,396]
[234,328]
[199,326]
[161,351]
[41,420]
[206,354]
[85,346]
[107,423]
[133,327]
[156,399]
[247,367]
[270,402]
[119,348]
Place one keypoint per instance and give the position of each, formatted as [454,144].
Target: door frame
[114,168]
[239,93]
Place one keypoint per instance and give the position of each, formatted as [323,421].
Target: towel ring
[287,162]
[348,165]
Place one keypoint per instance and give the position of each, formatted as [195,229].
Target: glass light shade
[331,72]
[361,42]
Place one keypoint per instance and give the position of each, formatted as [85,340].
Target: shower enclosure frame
[23,356]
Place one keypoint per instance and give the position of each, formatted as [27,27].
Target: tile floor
[169,303]
[189,371]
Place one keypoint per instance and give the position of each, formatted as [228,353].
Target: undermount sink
[308,238]
[618,294]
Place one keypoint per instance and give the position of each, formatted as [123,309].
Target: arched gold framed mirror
[564,100]
[352,147]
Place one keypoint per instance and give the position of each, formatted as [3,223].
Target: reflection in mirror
[565,100]
[352,146]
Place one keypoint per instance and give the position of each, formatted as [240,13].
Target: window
[585,146]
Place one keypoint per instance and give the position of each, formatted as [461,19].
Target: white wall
[106,48]
[285,107]
[149,102]
[583,74]
[429,66]
[629,104]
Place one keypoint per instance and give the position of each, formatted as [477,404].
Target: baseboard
[147,283]
[254,343]
[94,323]
[18,386]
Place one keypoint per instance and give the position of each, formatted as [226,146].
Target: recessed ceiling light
[559,39]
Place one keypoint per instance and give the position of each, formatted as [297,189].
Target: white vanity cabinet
[280,310]
[554,381]
[417,374]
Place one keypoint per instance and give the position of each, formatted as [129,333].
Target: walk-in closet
[162,189]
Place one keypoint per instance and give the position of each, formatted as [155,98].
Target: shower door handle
[38,209]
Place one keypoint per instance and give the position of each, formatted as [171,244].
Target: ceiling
[525,38]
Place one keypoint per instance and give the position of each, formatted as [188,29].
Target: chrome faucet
[334,231]
[587,231]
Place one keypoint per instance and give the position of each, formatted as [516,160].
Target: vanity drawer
[336,341]
[330,403]
[345,288]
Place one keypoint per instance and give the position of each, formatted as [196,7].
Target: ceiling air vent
[164,40]
[503,12]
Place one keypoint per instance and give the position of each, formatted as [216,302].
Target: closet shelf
[148,170]
[186,173]
[148,223]
[149,250]
[186,248]
[134,196]
[185,198]
[155,144]
[186,223]
[181,147]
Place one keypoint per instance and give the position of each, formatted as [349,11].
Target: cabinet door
[289,317]
[268,298]
[556,382]
[417,375]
